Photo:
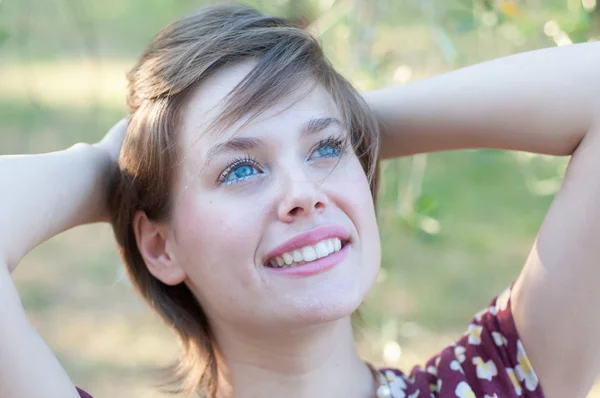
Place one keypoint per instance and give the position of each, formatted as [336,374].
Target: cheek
[353,193]
[216,247]
[353,196]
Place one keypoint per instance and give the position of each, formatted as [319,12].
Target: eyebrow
[234,144]
[316,125]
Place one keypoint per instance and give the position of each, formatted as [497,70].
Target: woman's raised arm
[540,101]
[547,102]
[49,193]
[43,195]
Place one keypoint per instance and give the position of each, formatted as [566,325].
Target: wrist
[101,167]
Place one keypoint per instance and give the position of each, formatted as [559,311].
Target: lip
[309,238]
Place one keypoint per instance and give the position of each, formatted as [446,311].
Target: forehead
[207,102]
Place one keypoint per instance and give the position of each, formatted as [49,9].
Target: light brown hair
[181,56]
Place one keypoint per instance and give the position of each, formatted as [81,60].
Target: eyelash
[246,160]
[338,143]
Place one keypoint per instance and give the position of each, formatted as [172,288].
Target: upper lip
[309,238]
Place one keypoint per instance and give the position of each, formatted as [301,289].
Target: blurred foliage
[3,32]
[3,36]
[374,43]
[455,227]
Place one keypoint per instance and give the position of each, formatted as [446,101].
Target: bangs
[288,63]
[288,71]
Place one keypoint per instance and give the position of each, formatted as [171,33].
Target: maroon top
[83,394]
[488,361]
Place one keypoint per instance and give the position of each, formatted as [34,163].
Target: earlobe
[151,239]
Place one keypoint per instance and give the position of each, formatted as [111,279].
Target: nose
[301,198]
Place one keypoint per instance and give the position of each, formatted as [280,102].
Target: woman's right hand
[110,147]
[113,140]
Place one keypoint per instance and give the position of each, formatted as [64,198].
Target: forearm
[29,369]
[46,194]
[542,101]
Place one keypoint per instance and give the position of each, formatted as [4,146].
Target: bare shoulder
[556,299]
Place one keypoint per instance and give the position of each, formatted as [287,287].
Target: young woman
[241,191]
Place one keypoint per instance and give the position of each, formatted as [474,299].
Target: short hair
[179,58]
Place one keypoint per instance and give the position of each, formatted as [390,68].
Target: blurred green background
[455,227]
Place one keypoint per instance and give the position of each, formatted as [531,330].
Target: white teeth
[298,256]
[329,243]
[308,253]
[337,244]
[287,257]
[321,249]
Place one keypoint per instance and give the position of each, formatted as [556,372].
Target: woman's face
[284,188]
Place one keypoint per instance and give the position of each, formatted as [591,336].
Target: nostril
[295,211]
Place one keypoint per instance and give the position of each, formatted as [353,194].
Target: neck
[319,361]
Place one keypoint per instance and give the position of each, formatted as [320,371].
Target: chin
[325,304]
[327,297]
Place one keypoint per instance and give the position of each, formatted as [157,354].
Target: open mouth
[307,254]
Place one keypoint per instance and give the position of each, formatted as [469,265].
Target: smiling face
[253,197]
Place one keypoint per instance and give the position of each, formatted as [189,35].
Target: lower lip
[315,267]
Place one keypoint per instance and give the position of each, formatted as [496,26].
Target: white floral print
[515,382]
[502,301]
[474,333]
[499,339]
[485,370]
[397,384]
[455,365]
[459,353]
[463,390]
[524,369]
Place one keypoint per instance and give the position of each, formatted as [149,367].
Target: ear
[151,240]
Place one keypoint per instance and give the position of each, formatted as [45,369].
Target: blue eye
[330,148]
[239,171]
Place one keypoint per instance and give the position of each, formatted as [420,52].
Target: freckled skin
[225,232]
